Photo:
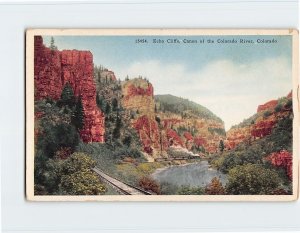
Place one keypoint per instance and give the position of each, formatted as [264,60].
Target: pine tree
[221,146]
[52,44]
[107,109]
[117,130]
[114,104]
[67,96]
[100,102]
[78,116]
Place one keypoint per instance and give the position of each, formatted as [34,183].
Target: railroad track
[122,187]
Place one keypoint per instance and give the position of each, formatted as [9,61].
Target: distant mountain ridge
[178,105]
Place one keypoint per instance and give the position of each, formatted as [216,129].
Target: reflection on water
[196,174]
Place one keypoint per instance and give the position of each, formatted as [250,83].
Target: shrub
[186,190]
[289,104]
[252,179]
[278,107]
[78,178]
[267,113]
[47,174]
[83,182]
[63,153]
[54,137]
[149,184]
[215,187]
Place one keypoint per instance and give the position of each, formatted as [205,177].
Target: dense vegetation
[249,172]
[58,170]
[118,130]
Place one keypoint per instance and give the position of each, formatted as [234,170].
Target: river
[195,175]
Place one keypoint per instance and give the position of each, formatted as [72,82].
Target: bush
[186,190]
[149,184]
[289,104]
[47,174]
[267,113]
[83,182]
[215,187]
[252,179]
[278,107]
[54,137]
[78,178]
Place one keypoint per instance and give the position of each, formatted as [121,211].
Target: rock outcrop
[54,68]
[138,96]
[269,105]
[282,159]
[237,135]
[108,75]
[262,122]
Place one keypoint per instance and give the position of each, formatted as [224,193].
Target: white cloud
[229,89]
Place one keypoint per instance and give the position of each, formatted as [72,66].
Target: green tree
[107,108]
[78,115]
[221,146]
[54,137]
[278,107]
[267,113]
[78,178]
[67,96]
[252,179]
[100,102]
[289,104]
[158,120]
[114,104]
[117,130]
[46,175]
[127,140]
[52,44]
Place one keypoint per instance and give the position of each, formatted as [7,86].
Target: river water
[195,175]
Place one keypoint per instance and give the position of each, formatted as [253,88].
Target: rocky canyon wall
[54,68]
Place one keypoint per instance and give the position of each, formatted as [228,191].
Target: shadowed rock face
[53,69]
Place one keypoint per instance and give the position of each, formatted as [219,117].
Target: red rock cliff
[53,69]
[262,125]
[269,105]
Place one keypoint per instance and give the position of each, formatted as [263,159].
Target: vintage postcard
[161,115]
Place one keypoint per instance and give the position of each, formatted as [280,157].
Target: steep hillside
[109,98]
[261,123]
[265,140]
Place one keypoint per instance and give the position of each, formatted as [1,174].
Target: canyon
[160,121]
[160,129]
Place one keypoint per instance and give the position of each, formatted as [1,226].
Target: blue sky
[229,79]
